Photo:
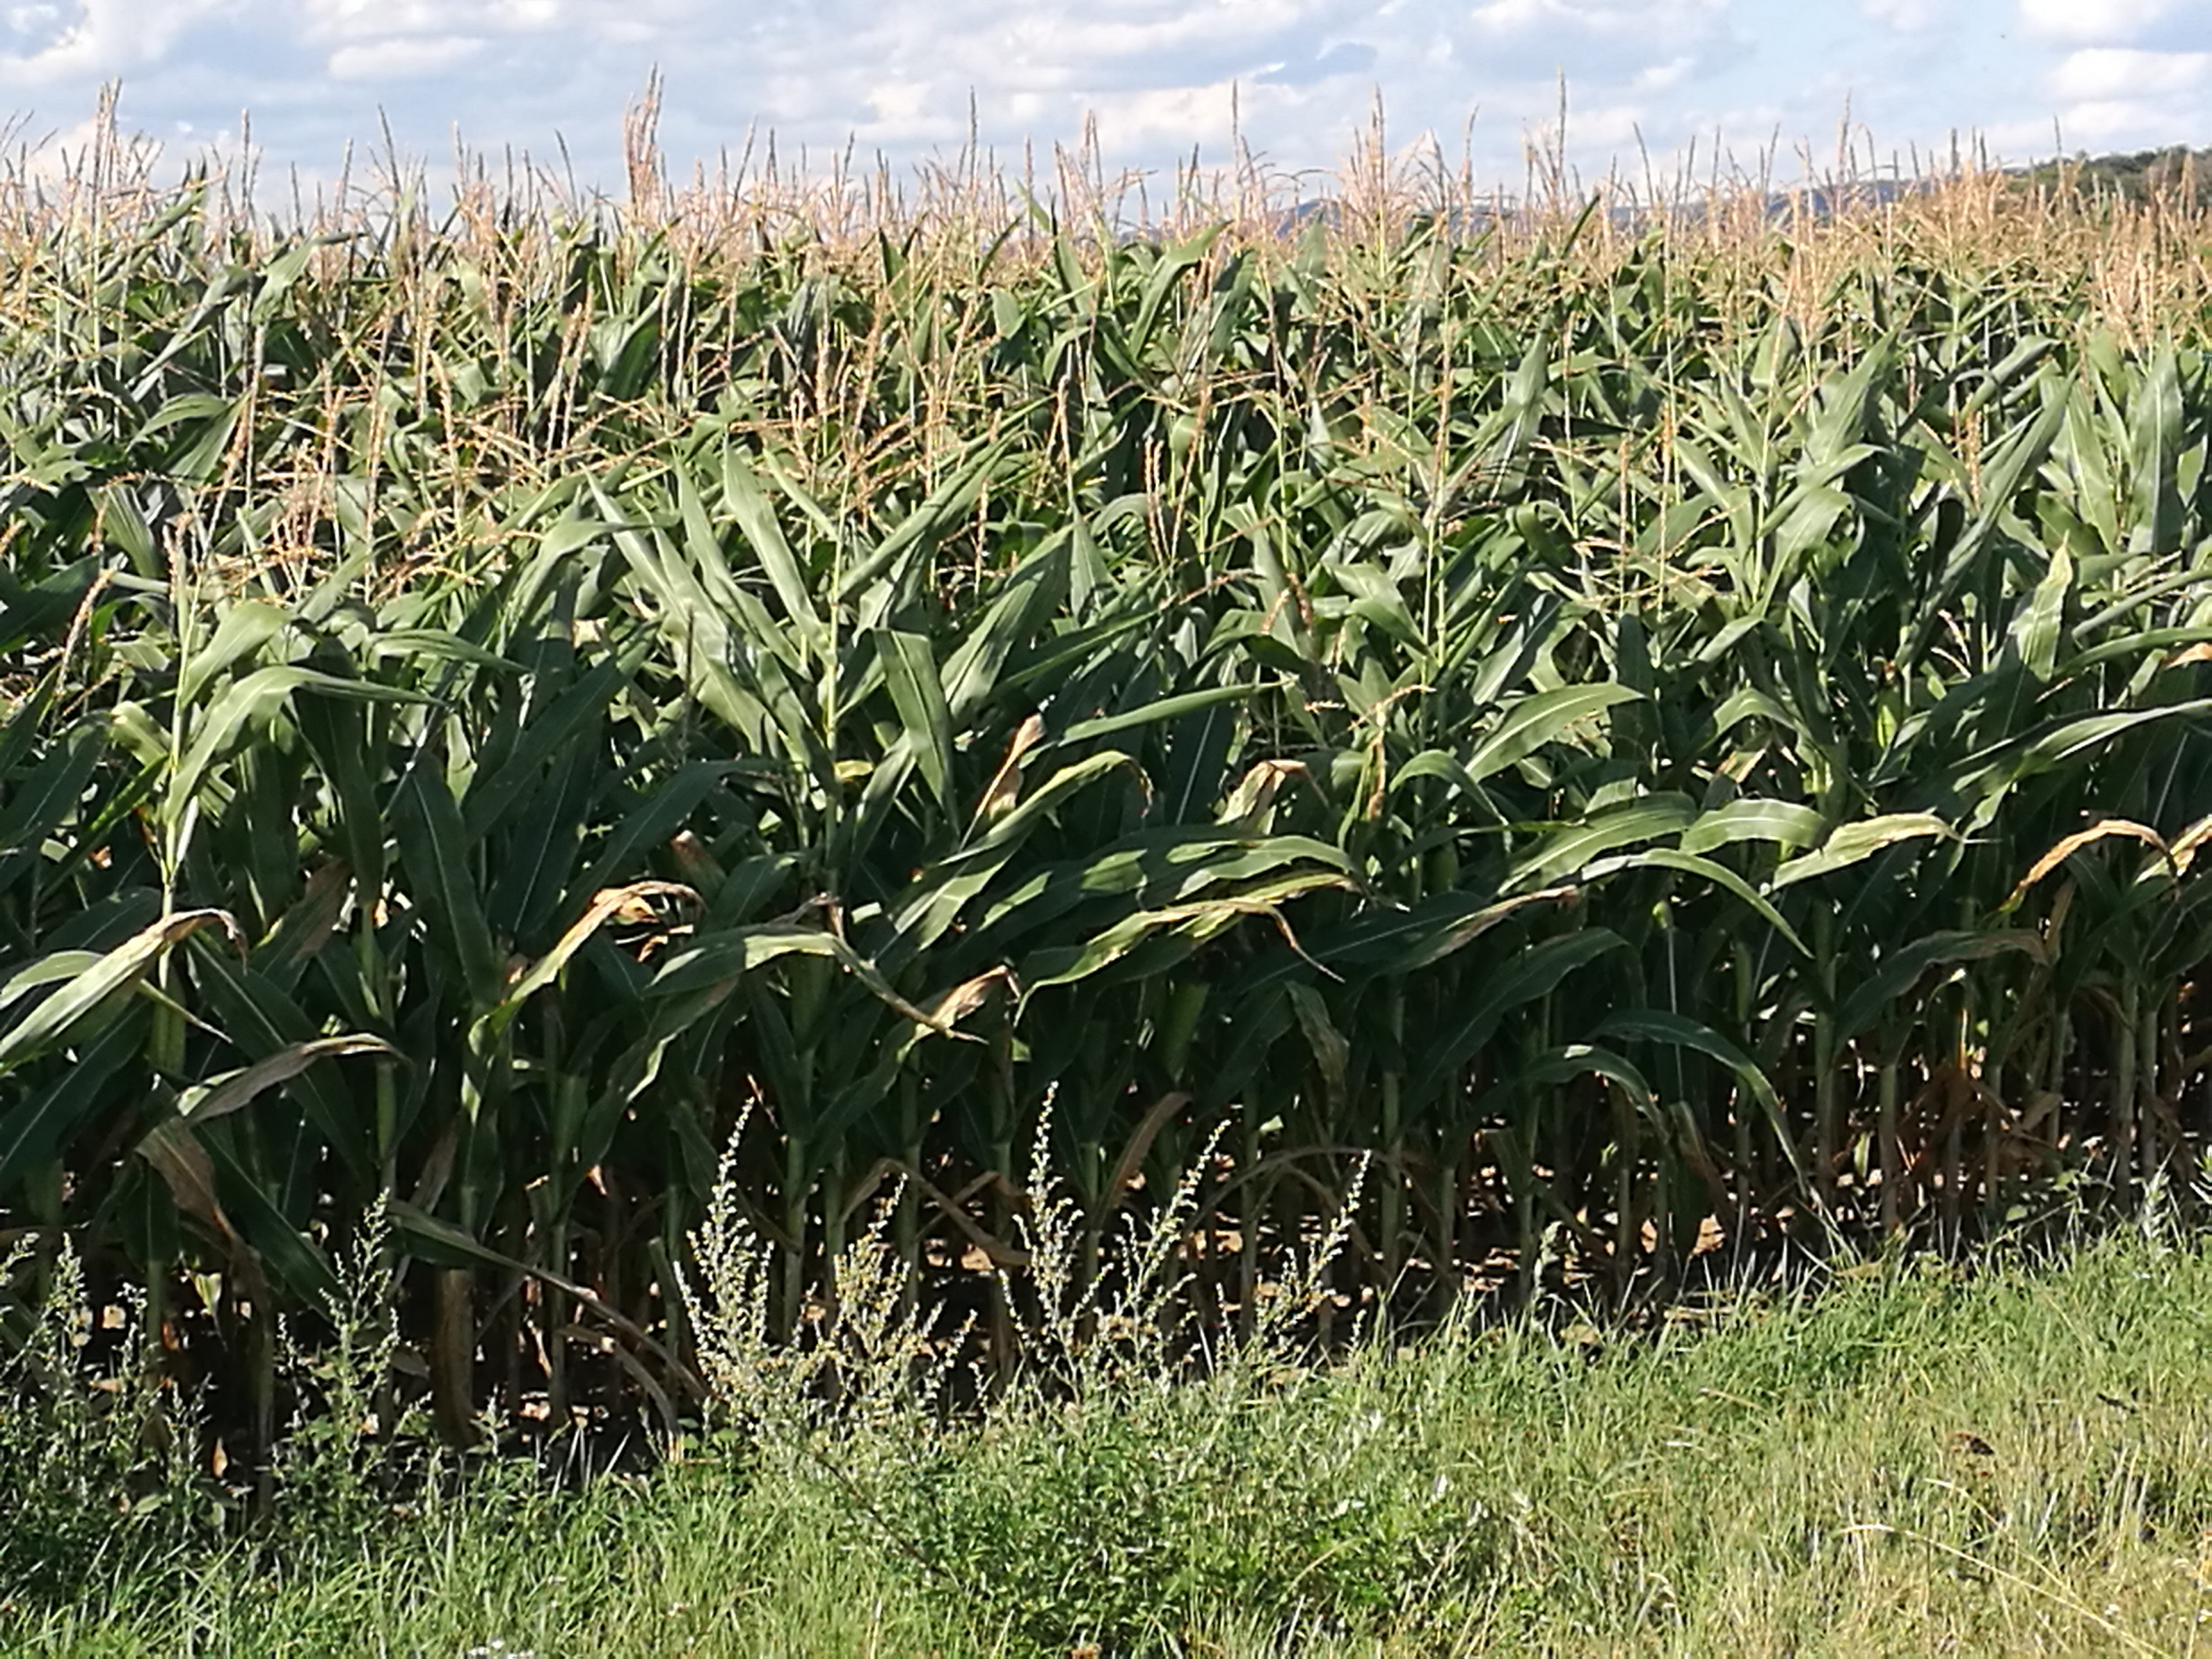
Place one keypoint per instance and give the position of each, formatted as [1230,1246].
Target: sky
[1298,79]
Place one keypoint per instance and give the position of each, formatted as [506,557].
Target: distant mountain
[2165,175]
[2177,171]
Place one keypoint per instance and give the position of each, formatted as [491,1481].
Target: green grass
[1913,1459]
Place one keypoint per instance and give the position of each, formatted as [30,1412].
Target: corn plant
[1645,739]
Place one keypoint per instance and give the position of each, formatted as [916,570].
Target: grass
[2016,1459]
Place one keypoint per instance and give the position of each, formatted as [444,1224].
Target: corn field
[1653,738]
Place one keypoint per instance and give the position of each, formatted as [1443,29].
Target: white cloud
[359,19]
[1158,75]
[2118,72]
[2118,22]
[2107,123]
[1600,34]
[58,41]
[1170,119]
[1907,16]
[27,30]
[63,152]
[2138,75]
[404,57]
[1660,76]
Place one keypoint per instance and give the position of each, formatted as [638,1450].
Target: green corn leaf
[44,1125]
[910,672]
[1852,843]
[263,1020]
[1036,805]
[1409,940]
[550,737]
[1689,864]
[713,963]
[1787,823]
[1899,971]
[435,852]
[972,671]
[2005,466]
[52,970]
[234,1090]
[1679,1030]
[436,645]
[654,823]
[1574,1059]
[1194,922]
[206,426]
[40,802]
[336,730]
[1331,1053]
[93,989]
[538,846]
[949,501]
[2040,625]
[440,1243]
[245,629]
[604,905]
[756,518]
[1569,848]
[1545,717]
[245,709]
[1174,261]
[2154,425]
[1520,979]
[293,1261]
[1154,712]
[2025,756]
